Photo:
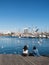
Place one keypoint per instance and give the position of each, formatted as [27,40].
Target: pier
[13,59]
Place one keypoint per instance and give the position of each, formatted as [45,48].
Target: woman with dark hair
[25,50]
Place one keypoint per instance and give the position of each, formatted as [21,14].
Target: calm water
[13,45]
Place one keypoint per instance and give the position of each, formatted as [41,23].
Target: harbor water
[14,45]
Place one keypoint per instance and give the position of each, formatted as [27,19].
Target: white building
[26,30]
[8,32]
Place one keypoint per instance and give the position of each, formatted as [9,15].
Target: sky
[18,14]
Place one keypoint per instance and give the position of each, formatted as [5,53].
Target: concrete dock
[13,59]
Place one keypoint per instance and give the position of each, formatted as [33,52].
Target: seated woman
[25,51]
[35,51]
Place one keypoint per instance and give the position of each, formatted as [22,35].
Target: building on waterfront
[26,31]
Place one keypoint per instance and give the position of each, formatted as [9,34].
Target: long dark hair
[25,48]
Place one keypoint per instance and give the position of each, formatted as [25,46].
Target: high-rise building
[26,30]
